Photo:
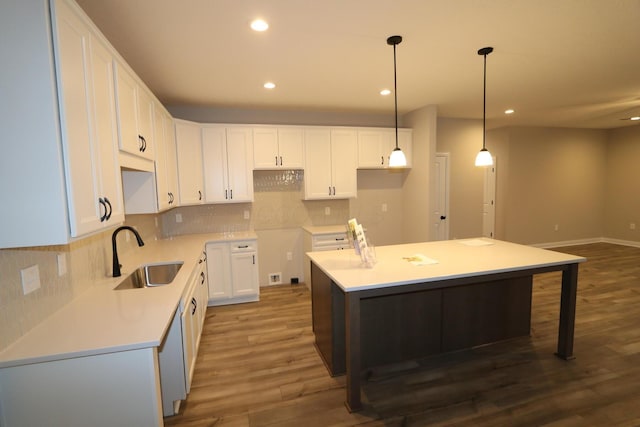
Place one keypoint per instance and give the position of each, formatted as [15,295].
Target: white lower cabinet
[192,320]
[233,272]
[104,390]
[179,350]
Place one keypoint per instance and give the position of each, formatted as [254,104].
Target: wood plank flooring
[257,365]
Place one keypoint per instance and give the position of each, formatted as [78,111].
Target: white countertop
[316,230]
[103,320]
[453,259]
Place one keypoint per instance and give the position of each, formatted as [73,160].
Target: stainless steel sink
[151,275]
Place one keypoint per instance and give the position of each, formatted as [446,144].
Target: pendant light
[484,157]
[397,158]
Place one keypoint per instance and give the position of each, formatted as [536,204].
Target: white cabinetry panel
[227,155]
[330,163]
[233,272]
[190,169]
[278,148]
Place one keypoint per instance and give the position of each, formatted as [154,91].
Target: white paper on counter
[419,259]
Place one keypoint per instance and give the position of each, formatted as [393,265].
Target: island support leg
[567,312]
[352,338]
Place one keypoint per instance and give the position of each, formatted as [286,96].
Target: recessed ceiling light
[509,111]
[385,92]
[259,25]
[269,85]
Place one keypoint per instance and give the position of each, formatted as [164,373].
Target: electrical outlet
[30,277]
[178,217]
[289,256]
[275,278]
[632,226]
[62,265]
[327,210]
[384,207]
[246,215]
[556,227]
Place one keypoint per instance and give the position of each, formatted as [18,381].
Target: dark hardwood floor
[257,365]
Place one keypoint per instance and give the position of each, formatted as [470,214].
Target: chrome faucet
[116,262]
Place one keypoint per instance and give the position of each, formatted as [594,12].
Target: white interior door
[439,216]
[489,202]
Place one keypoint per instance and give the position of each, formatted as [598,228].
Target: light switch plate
[30,277]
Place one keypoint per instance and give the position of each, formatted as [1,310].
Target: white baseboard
[587,242]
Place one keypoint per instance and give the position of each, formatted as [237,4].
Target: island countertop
[434,261]
[103,320]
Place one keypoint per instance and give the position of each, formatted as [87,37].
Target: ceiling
[568,63]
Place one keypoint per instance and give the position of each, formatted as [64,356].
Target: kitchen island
[428,298]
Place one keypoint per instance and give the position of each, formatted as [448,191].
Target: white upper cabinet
[135,114]
[190,168]
[375,146]
[89,124]
[62,175]
[278,148]
[228,158]
[172,160]
[330,163]
[166,166]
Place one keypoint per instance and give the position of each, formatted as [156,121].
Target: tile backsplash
[86,260]
[278,204]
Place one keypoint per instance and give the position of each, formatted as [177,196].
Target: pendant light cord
[395,91]
[484,104]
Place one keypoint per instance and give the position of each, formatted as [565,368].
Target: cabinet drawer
[327,242]
[243,246]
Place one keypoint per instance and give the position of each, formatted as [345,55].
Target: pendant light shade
[397,159]
[484,157]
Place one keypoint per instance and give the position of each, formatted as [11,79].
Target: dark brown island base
[428,298]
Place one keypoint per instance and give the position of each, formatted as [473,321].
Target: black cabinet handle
[199,195]
[280,160]
[231,194]
[243,247]
[443,217]
[382,160]
[276,160]
[226,194]
[254,260]
[102,203]
[202,276]
[143,143]
[334,191]
[108,203]
[329,190]
[204,255]
[195,306]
